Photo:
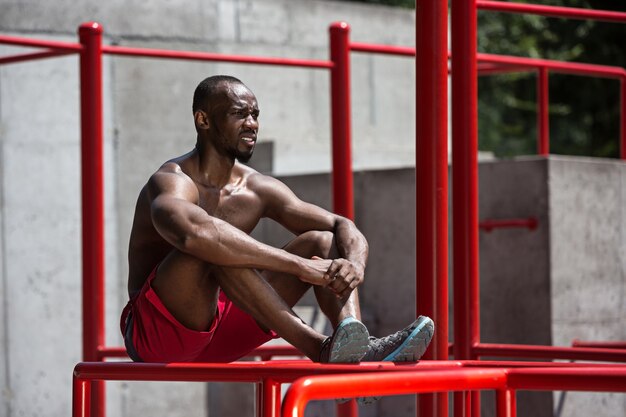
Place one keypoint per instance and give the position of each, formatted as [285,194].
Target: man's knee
[315,243]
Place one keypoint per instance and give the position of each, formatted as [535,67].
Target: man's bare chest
[240,207]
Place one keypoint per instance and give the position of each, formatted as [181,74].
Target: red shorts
[152,334]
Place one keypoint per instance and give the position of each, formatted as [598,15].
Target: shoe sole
[412,349]
[349,343]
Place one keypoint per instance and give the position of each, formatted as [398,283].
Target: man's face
[235,122]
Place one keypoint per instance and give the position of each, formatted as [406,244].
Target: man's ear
[202,120]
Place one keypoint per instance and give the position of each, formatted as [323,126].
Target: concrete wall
[588,267]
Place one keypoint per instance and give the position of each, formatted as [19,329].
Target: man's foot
[348,344]
[406,345]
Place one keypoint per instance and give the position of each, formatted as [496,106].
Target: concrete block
[514,263]
[586,198]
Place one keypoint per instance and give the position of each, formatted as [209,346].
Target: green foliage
[584,111]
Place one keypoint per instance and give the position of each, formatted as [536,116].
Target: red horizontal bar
[485,68]
[376,384]
[264,352]
[207,56]
[549,352]
[552,11]
[382,49]
[508,63]
[32,56]
[278,370]
[38,43]
[323,387]
[489,224]
[594,344]
[557,66]
[568,379]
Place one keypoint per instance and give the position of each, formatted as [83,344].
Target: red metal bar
[207,56]
[543,120]
[382,49]
[461,401]
[596,344]
[376,384]
[343,198]
[552,11]
[92,175]
[32,56]
[269,398]
[465,181]
[39,43]
[282,371]
[489,224]
[505,403]
[569,379]
[431,161]
[622,131]
[549,352]
[576,68]
[505,381]
[486,68]
[348,409]
[464,177]
[81,395]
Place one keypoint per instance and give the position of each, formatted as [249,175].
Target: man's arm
[190,229]
[283,206]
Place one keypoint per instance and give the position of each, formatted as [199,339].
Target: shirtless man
[202,290]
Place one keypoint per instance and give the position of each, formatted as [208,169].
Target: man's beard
[242,157]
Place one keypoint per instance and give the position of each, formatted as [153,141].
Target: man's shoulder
[254,179]
[170,176]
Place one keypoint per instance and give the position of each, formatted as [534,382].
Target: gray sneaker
[348,344]
[406,345]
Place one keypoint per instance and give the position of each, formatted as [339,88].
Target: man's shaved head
[208,89]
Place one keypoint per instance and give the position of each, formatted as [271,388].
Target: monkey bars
[431,146]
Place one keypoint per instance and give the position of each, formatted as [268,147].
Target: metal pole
[340,117]
[543,120]
[268,398]
[431,163]
[505,403]
[90,35]
[465,182]
[622,137]
[343,198]
[81,393]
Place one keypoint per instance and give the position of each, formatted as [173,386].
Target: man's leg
[189,289]
[291,289]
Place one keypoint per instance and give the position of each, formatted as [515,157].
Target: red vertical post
[505,403]
[543,119]
[431,163]
[348,409]
[81,394]
[268,398]
[622,131]
[343,194]
[465,182]
[340,119]
[92,176]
